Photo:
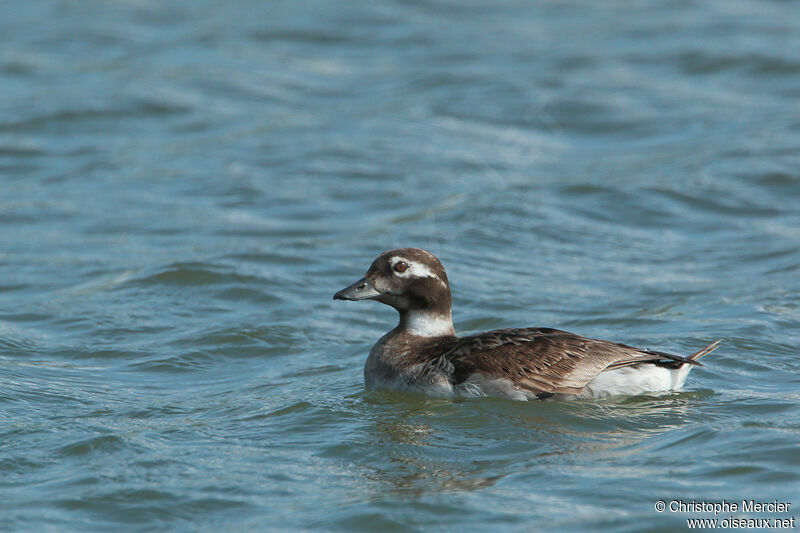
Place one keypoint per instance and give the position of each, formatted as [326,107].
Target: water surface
[186,184]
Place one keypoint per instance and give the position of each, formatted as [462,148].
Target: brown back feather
[545,360]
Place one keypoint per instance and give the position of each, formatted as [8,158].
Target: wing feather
[545,360]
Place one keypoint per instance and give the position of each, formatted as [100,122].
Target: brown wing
[545,361]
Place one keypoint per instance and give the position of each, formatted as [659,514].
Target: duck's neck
[427,323]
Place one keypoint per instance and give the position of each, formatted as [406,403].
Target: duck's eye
[400,267]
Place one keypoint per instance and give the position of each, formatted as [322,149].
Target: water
[186,184]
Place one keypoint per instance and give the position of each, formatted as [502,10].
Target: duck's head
[414,282]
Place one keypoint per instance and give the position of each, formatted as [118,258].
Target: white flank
[429,325]
[639,379]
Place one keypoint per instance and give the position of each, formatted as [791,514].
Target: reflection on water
[426,446]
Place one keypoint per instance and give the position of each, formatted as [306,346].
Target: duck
[423,354]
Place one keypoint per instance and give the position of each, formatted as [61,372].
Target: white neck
[426,324]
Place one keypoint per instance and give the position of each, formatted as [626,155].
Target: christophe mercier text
[746,506]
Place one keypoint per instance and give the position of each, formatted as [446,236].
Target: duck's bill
[360,290]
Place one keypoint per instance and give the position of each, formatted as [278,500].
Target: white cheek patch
[415,270]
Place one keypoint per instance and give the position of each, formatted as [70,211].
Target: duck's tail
[678,375]
[705,351]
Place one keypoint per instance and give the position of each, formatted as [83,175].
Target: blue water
[185,185]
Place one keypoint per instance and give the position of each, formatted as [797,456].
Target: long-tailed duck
[424,354]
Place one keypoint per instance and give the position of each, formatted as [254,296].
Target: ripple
[188,362]
[191,274]
[73,118]
[94,445]
[699,62]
